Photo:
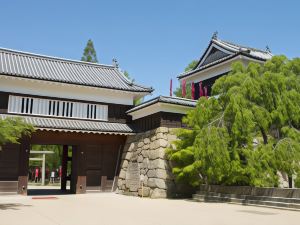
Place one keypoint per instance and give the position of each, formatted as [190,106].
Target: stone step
[242,201]
[8,187]
[7,193]
[251,197]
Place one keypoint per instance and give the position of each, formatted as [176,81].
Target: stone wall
[144,167]
[253,191]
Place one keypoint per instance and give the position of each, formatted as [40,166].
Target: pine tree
[247,134]
[89,53]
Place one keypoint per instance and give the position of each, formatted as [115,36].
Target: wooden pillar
[64,166]
[43,169]
[103,183]
[73,170]
[290,179]
[23,166]
[78,180]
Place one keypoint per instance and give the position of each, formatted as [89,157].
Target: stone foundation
[145,170]
[252,191]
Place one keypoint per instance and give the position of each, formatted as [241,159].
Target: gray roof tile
[235,50]
[85,126]
[28,65]
[165,99]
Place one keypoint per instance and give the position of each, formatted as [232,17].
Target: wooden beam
[78,174]
[64,166]
[23,166]
[81,170]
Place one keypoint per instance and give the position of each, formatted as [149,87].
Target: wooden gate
[101,163]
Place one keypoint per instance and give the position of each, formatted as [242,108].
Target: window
[91,111]
[26,105]
[57,108]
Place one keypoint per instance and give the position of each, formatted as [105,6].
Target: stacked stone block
[144,154]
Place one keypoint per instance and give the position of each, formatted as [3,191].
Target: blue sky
[153,40]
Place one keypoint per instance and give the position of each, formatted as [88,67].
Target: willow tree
[246,134]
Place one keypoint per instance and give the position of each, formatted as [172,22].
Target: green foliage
[53,161]
[191,66]
[297,182]
[89,53]
[257,103]
[138,100]
[12,129]
[178,91]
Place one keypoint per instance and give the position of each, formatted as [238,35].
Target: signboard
[133,176]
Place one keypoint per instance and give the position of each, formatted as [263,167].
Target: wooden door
[94,164]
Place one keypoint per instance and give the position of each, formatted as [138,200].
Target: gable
[213,55]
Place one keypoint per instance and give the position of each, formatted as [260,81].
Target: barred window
[57,108]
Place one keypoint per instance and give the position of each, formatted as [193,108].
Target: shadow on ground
[33,192]
[12,206]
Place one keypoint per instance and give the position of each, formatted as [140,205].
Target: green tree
[178,91]
[12,129]
[89,53]
[247,134]
[138,100]
[53,161]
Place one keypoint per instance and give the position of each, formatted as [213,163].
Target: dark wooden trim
[116,112]
[72,138]
[108,145]
[64,167]
[208,83]
[166,119]
[74,174]
[3,102]
[9,162]
[78,174]
[172,120]
[23,166]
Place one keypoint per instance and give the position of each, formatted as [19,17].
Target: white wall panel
[68,91]
[41,107]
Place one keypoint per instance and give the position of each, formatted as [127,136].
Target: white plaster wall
[218,69]
[68,91]
[159,107]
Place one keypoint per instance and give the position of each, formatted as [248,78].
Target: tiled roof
[185,74]
[235,50]
[165,99]
[28,65]
[258,53]
[71,125]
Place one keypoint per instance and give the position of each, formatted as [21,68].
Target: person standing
[52,176]
[60,173]
[36,177]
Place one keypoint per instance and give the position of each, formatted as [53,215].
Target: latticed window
[57,108]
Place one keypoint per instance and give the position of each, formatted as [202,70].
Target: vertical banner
[171,87]
[193,90]
[200,89]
